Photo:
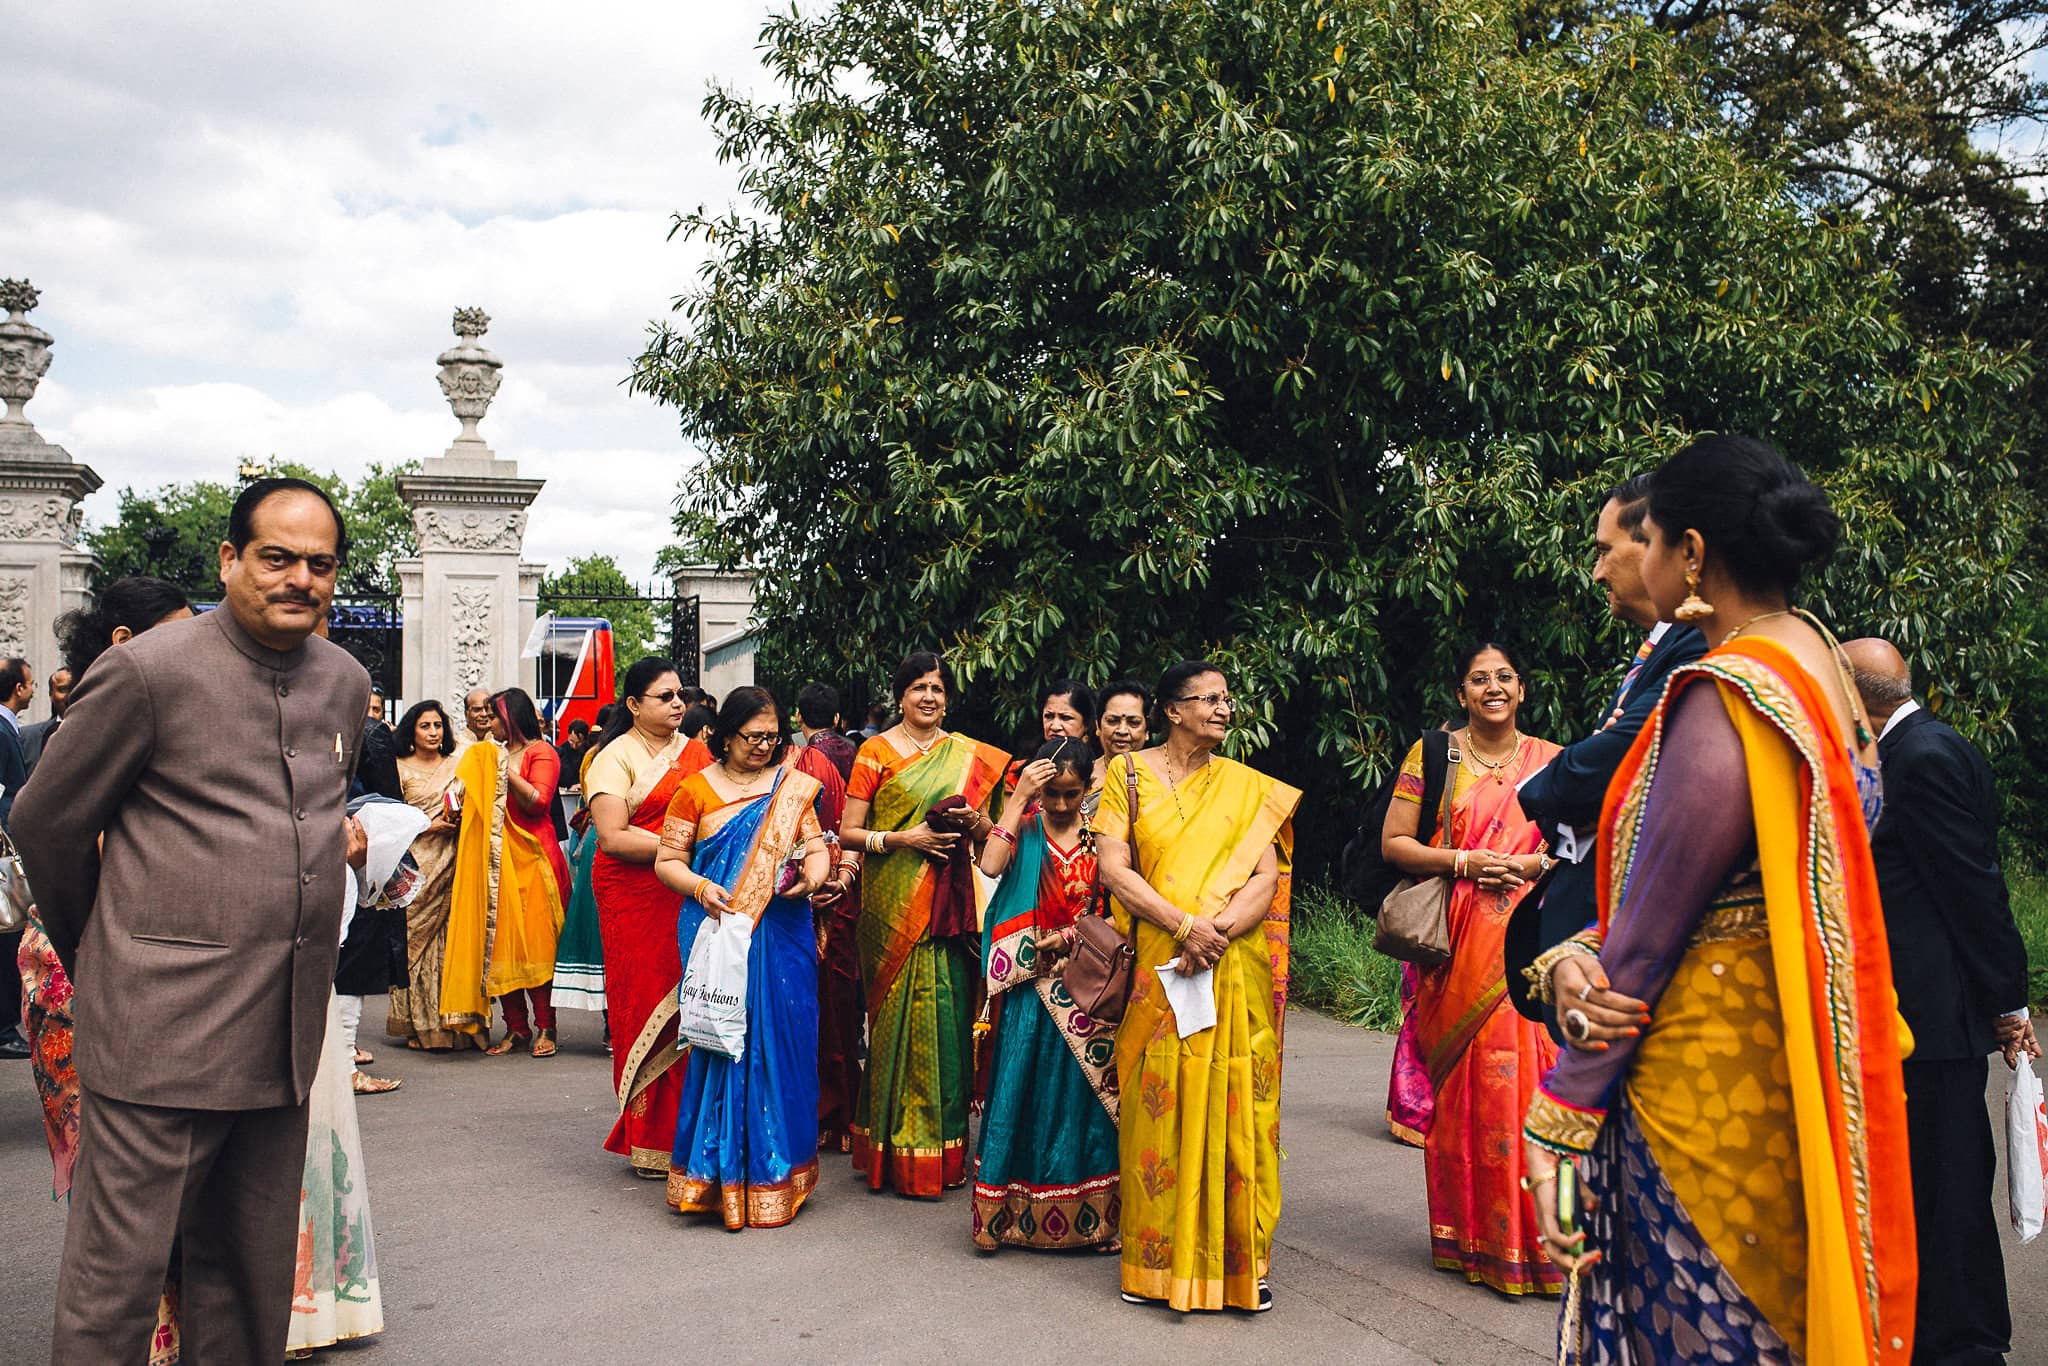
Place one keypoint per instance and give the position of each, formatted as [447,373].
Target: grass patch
[2030,912]
[1332,965]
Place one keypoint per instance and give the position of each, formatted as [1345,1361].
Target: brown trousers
[224,1185]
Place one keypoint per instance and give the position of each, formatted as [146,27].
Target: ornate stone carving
[477,529]
[40,519]
[469,374]
[14,595]
[473,633]
[24,351]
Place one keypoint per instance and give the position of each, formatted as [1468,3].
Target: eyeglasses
[669,696]
[1212,699]
[1506,678]
[759,739]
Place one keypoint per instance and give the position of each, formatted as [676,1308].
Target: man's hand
[358,843]
[2016,1035]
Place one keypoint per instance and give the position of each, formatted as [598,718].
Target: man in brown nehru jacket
[188,844]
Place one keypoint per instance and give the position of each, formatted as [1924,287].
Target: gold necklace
[653,750]
[1760,616]
[1513,749]
[1173,783]
[924,746]
[746,784]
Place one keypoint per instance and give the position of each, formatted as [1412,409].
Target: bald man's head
[476,710]
[1881,676]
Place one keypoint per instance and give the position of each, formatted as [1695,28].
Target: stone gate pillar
[43,573]
[468,599]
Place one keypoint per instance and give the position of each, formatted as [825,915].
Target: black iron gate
[369,627]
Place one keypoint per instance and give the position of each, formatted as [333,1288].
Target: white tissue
[1193,998]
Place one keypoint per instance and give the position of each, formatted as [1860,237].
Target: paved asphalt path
[503,1230]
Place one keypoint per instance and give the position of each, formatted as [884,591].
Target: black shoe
[12,1045]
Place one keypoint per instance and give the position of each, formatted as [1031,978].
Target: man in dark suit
[36,735]
[1564,797]
[193,891]
[1961,974]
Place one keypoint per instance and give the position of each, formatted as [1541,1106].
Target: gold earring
[1695,607]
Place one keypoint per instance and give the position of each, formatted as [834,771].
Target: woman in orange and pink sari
[1483,1058]
[1732,1096]
[643,760]
[916,811]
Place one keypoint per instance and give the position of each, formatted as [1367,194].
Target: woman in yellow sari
[1202,876]
[1732,1094]
[505,909]
[916,809]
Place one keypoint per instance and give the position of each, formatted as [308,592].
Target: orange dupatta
[1843,1037]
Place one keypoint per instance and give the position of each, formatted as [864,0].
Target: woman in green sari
[916,809]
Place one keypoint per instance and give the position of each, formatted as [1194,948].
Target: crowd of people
[1667,981]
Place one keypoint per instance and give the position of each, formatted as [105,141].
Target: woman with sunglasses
[641,762]
[1200,869]
[743,837]
[1483,1059]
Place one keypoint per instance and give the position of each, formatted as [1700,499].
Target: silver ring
[1586,992]
[1578,1024]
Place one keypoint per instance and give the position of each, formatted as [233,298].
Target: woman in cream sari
[1202,875]
[1733,1094]
[426,774]
[917,803]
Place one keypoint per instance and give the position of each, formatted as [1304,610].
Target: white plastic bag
[712,1004]
[2026,1149]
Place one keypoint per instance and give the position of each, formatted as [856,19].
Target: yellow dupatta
[505,913]
[1200,1147]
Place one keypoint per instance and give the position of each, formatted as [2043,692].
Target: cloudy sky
[251,224]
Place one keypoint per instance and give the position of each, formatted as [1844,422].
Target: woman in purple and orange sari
[916,809]
[1732,1094]
[1483,1058]
[643,760]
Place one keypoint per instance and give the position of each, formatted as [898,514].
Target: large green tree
[174,532]
[1079,336]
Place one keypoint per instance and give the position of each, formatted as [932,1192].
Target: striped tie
[1628,681]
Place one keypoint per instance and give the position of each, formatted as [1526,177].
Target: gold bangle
[1187,927]
[703,881]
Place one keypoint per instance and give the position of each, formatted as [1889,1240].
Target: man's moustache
[295,599]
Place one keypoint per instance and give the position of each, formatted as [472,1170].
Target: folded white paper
[1193,998]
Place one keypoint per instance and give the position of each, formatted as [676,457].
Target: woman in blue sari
[1046,1173]
[742,837]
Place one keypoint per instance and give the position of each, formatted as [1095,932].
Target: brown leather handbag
[1415,919]
[1101,962]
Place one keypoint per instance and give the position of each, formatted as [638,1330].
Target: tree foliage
[591,586]
[174,532]
[1077,337]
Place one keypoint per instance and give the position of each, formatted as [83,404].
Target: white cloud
[250,228]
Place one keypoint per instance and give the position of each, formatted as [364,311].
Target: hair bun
[1795,523]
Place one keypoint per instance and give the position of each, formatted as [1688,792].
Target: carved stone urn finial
[469,377]
[24,352]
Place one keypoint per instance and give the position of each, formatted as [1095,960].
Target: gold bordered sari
[1199,1138]
[1760,1124]
[910,1123]
[505,912]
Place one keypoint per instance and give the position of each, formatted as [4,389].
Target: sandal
[374,1086]
[543,1043]
[507,1044]
[364,1057]
[650,1174]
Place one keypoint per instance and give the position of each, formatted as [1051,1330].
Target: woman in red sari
[1484,1059]
[642,761]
